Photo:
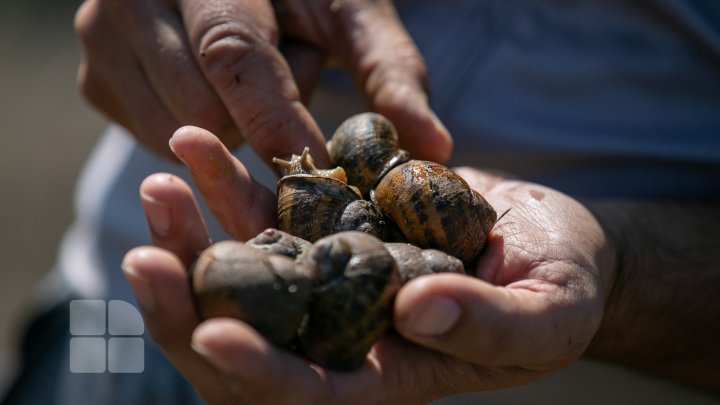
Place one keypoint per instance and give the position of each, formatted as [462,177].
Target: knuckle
[90,88]
[225,50]
[87,24]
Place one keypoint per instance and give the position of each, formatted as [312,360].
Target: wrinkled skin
[535,305]
[246,71]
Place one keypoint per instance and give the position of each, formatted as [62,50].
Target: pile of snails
[322,284]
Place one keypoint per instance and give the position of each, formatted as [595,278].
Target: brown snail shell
[314,203]
[366,145]
[268,291]
[413,262]
[435,208]
[354,280]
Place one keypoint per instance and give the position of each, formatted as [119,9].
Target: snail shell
[413,262]
[354,280]
[435,208]
[231,279]
[366,145]
[314,203]
[278,242]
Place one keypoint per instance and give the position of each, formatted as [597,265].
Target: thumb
[392,75]
[489,325]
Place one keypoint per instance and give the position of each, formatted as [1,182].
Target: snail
[432,206]
[413,262]
[354,280]
[367,147]
[435,208]
[232,279]
[313,203]
[330,304]
[278,242]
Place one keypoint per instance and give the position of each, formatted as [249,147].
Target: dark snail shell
[366,146]
[231,279]
[278,242]
[363,216]
[315,203]
[354,280]
[413,262]
[435,208]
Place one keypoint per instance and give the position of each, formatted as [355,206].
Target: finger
[392,74]
[241,205]
[96,90]
[306,62]
[115,82]
[235,45]
[255,369]
[160,43]
[160,283]
[534,325]
[173,216]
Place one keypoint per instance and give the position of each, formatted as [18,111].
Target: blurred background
[46,132]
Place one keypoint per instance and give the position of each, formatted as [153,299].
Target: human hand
[534,307]
[246,73]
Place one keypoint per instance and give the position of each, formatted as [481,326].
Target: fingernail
[158,215]
[172,149]
[199,347]
[436,316]
[141,286]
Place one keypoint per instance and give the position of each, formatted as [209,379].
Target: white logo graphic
[91,351]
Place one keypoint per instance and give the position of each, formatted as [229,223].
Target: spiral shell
[435,208]
[278,242]
[413,262]
[354,280]
[366,146]
[268,291]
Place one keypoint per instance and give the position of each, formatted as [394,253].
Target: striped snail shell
[435,208]
[366,145]
[354,280]
[314,203]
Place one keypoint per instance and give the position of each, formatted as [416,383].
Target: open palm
[533,308]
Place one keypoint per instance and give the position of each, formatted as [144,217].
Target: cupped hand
[246,69]
[533,308]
